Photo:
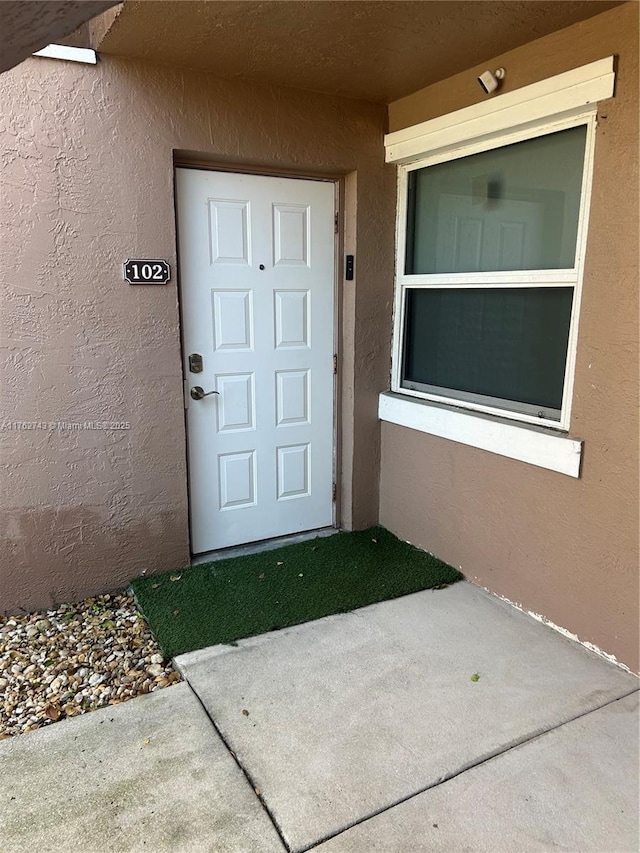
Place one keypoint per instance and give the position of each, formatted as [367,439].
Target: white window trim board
[561,95]
[526,444]
[506,136]
[537,278]
[71,54]
[561,101]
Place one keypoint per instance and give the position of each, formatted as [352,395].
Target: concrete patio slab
[574,788]
[336,719]
[150,774]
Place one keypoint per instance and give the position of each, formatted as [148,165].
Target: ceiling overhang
[26,26]
[375,51]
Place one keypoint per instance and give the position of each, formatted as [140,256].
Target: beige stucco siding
[564,548]
[86,182]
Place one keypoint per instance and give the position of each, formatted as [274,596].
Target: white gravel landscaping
[79,657]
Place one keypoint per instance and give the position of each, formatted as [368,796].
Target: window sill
[533,445]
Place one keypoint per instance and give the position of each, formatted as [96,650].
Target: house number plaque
[146,271]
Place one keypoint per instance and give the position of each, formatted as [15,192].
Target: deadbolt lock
[195,362]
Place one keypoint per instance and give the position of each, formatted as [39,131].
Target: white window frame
[501,279]
[565,101]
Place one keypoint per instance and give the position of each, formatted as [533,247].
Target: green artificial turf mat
[226,600]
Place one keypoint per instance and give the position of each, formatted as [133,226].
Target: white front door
[257,281]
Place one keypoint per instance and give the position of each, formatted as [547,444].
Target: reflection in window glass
[511,208]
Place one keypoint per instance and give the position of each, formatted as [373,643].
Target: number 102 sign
[146,271]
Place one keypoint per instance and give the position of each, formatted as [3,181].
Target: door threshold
[260,546]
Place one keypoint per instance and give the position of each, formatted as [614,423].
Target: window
[493,205]
[489,272]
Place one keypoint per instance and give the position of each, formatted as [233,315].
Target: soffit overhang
[374,51]
[26,26]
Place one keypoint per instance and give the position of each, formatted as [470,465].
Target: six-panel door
[257,280]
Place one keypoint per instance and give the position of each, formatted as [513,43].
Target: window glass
[511,208]
[507,344]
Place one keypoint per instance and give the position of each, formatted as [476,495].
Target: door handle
[197,393]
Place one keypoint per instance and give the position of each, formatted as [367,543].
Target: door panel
[257,280]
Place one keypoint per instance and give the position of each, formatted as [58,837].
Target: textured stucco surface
[377,51]
[87,181]
[564,548]
[29,25]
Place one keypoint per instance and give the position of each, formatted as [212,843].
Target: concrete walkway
[357,733]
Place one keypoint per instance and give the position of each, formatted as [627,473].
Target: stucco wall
[87,181]
[564,548]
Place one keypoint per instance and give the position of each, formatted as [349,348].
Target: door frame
[183,160]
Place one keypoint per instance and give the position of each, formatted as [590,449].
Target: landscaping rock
[74,659]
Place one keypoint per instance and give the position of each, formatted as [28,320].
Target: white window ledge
[531,444]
